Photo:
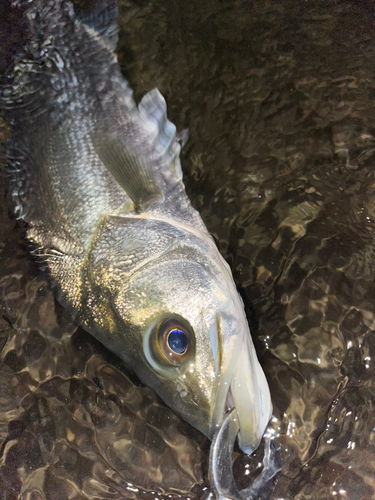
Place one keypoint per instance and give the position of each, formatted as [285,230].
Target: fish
[97,178]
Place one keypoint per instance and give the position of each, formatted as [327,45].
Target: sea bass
[98,180]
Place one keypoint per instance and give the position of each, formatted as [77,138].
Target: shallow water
[279,101]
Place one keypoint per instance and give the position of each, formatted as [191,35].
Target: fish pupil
[177,341]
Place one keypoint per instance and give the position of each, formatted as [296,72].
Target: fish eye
[175,341]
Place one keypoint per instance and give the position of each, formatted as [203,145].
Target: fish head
[183,329]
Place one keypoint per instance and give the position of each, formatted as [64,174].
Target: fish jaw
[242,385]
[251,398]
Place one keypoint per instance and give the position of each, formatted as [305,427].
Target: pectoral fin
[132,171]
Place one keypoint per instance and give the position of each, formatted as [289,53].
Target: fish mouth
[243,386]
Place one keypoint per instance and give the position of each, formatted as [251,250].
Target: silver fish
[98,180]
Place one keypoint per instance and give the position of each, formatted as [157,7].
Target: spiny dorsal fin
[161,131]
[132,172]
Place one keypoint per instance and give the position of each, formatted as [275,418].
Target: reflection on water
[279,101]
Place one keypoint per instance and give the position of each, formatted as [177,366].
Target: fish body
[98,180]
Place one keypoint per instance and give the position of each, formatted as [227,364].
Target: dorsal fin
[153,113]
[130,169]
[101,15]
